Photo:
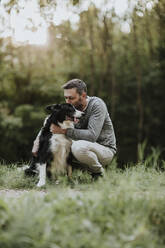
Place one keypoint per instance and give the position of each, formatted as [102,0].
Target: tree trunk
[138,75]
[91,55]
[109,75]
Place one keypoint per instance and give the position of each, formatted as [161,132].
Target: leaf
[75,2]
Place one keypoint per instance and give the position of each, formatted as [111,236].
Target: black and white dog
[54,149]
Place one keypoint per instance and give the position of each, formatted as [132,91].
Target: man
[94,142]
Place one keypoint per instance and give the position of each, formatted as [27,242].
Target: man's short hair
[76,83]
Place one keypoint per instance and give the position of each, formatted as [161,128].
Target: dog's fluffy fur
[54,148]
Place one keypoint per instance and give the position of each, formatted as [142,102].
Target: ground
[123,210]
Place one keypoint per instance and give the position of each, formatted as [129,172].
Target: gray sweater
[95,125]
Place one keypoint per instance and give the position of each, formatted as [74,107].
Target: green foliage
[125,209]
[126,69]
[150,158]
[75,2]
[12,178]
[19,130]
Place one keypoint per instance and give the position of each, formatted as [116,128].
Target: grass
[123,210]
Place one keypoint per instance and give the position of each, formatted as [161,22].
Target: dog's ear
[53,107]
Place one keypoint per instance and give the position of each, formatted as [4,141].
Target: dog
[54,149]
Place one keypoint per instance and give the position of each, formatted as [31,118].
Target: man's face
[71,96]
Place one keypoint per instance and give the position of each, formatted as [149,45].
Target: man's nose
[68,101]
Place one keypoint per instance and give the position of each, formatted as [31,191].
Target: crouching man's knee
[79,148]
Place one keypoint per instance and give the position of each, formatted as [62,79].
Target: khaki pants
[92,156]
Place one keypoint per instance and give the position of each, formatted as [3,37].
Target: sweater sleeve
[95,124]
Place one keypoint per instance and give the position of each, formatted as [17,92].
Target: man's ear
[53,107]
[84,94]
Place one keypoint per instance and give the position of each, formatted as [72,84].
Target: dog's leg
[42,175]
[69,171]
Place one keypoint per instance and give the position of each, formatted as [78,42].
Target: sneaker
[98,175]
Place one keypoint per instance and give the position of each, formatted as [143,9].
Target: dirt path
[10,193]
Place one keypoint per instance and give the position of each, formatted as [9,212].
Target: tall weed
[150,158]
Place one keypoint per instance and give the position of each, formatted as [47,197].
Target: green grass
[123,210]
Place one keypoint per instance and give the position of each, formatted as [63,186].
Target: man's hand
[34,153]
[57,130]
[35,147]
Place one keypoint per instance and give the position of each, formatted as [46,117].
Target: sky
[20,26]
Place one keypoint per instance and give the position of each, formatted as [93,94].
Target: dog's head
[64,112]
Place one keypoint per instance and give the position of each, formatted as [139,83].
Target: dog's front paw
[40,184]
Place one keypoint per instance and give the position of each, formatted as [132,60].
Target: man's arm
[36,141]
[95,124]
[36,145]
[56,129]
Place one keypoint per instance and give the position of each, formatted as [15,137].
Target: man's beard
[79,105]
